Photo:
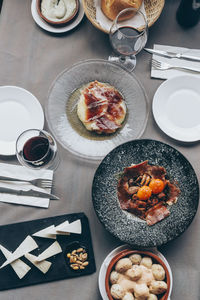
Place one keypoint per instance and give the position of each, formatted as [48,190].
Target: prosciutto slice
[156,214]
[104,107]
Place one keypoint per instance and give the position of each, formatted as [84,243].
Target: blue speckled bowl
[127,227]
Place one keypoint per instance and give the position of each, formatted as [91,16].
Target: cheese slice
[58,229]
[47,233]
[74,227]
[55,230]
[50,251]
[50,232]
[26,246]
[43,266]
[20,268]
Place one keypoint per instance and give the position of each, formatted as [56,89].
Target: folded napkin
[166,74]
[20,172]
[104,22]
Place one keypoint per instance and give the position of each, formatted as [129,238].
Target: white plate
[104,266]
[19,111]
[53,29]
[176,107]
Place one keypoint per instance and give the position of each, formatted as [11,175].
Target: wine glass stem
[129,62]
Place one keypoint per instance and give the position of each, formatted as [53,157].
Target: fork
[164,66]
[39,182]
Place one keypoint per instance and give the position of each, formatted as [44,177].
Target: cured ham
[156,214]
[101,108]
[145,190]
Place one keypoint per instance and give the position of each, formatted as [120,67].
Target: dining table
[31,58]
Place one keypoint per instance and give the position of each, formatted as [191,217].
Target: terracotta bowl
[59,23]
[126,253]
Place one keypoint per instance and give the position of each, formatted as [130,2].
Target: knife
[32,193]
[172,54]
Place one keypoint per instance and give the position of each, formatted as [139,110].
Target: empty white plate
[19,111]
[176,108]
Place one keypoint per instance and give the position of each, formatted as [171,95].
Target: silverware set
[170,54]
[165,66]
[40,182]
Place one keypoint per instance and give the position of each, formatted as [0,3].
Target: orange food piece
[157,186]
[144,193]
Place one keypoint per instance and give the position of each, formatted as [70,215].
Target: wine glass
[37,149]
[128,36]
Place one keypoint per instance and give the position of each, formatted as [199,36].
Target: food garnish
[145,191]
[77,259]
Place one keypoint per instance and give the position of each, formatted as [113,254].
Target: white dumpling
[152,297]
[158,287]
[117,291]
[147,262]
[134,273]
[114,276]
[147,276]
[128,296]
[135,259]
[123,265]
[141,291]
[158,272]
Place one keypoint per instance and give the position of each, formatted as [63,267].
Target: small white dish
[19,110]
[44,25]
[104,266]
[176,107]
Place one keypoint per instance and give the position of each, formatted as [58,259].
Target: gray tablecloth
[32,58]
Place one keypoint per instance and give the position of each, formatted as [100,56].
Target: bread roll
[111,8]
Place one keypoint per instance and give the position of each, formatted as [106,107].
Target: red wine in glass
[125,41]
[128,37]
[37,151]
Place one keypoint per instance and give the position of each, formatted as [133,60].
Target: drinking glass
[37,149]
[128,36]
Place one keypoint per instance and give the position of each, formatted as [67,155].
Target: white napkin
[104,22]
[21,172]
[166,74]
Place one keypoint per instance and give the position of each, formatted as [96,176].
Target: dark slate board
[12,235]
[127,227]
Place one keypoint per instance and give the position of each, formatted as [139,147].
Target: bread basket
[153,10]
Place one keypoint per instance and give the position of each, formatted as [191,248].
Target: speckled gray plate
[127,227]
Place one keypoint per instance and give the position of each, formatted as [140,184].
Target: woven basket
[153,10]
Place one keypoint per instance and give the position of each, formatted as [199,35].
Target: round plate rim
[63,29]
[36,102]
[150,245]
[154,103]
[114,252]
[81,62]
